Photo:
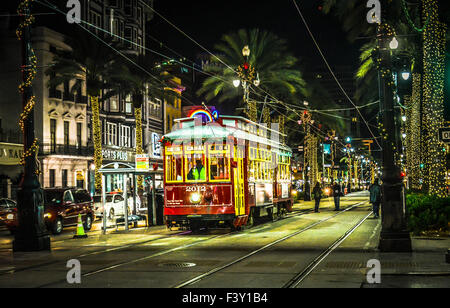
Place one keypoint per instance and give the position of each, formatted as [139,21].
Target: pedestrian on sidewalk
[337,193]
[375,197]
[317,191]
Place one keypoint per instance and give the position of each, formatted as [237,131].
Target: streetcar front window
[219,166]
[174,168]
[195,167]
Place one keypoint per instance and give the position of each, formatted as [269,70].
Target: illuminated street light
[393,44]
[406,75]
[236,83]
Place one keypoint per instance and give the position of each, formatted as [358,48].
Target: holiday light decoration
[29,72]
[434,38]
[97,136]
[138,117]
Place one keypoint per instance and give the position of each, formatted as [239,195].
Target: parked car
[62,207]
[8,210]
[114,205]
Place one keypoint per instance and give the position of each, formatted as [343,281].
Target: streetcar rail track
[122,247]
[220,268]
[297,279]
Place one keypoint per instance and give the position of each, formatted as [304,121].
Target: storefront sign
[10,153]
[142,162]
[115,155]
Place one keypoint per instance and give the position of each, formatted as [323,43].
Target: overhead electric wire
[117,51]
[331,71]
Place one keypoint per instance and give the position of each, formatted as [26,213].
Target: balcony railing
[62,149]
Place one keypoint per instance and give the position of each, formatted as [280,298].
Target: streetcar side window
[174,168]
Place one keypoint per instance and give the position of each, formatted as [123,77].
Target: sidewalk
[346,267]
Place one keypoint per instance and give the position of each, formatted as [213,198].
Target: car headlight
[195,198]
[47,215]
[10,216]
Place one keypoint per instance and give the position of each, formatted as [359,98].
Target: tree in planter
[88,61]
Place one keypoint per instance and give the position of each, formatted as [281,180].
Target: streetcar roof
[217,132]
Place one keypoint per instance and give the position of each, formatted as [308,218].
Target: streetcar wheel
[272,216]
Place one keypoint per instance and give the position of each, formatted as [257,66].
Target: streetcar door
[239,200]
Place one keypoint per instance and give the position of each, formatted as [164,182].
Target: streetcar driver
[197,173]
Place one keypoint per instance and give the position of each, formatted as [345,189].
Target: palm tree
[274,64]
[88,61]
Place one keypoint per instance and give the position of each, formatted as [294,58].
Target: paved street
[268,255]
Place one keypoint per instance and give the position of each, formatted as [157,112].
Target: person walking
[317,191]
[375,197]
[337,193]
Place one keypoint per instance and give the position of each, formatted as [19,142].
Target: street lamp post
[31,234]
[247,76]
[393,237]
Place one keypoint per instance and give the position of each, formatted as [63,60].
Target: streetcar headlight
[47,215]
[327,191]
[10,216]
[195,198]
[294,192]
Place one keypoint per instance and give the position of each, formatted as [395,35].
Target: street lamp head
[393,44]
[405,75]
[236,83]
[246,51]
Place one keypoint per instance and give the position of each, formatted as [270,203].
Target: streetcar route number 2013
[196,188]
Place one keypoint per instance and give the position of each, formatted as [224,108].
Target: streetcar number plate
[195,188]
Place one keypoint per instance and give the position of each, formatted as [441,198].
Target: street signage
[444,134]
[142,162]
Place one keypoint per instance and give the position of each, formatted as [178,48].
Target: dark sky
[206,21]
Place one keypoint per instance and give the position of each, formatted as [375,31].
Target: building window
[79,128]
[52,135]
[52,177]
[113,104]
[128,7]
[125,136]
[111,134]
[66,134]
[64,178]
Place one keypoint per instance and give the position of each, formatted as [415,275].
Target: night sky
[206,21]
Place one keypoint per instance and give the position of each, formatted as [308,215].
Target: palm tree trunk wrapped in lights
[97,136]
[312,145]
[139,150]
[433,97]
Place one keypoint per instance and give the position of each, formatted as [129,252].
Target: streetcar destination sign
[444,134]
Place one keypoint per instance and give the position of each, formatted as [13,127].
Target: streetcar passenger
[197,173]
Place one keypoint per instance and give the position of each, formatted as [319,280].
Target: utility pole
[394,236]
[31,234]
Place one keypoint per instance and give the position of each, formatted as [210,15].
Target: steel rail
[294,282]
[220,268]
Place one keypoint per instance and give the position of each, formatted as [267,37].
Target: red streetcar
[224,170]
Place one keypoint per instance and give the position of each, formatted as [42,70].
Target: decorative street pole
[394,237]
[31,234]
[248,76]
